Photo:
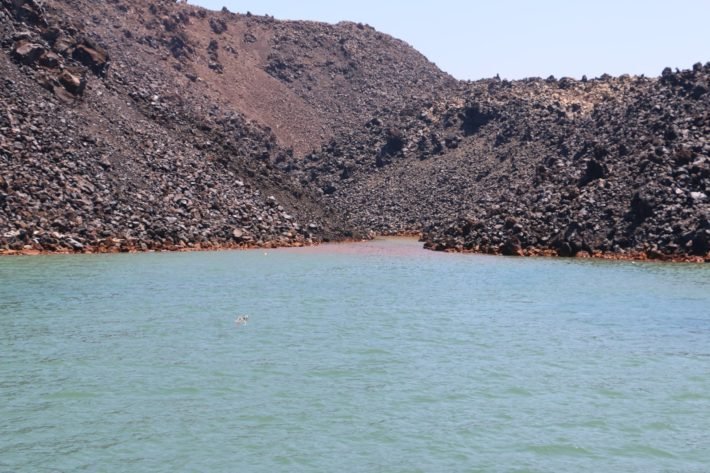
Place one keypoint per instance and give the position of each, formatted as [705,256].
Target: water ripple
[373,357]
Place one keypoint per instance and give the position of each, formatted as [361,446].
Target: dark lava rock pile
[116,164]
[130,125]
[605,167]
[628,178]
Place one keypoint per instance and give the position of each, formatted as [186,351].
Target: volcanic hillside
[595,167]
[159,125]
[149,125]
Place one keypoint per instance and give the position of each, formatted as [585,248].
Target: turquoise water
[377,357]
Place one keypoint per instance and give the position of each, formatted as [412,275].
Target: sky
[473,39]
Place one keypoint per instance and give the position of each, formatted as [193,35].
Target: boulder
[698,196]
[28,11]
[27,52]
[701,242]
[641,207]
[565,250]
[50,60]
[512,247]
[218,26]
[75,245]
[62,44]
[595,170]
[93,57]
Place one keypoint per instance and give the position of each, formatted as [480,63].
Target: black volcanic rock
[603,166]
[160,125]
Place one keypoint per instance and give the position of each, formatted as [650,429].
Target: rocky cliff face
[159,125]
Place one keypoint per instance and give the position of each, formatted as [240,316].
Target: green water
[376,357]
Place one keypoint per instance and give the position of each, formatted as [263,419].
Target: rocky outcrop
[64,189]
[59,60]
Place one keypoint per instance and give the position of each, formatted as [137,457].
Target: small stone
[74,244]
[72,83]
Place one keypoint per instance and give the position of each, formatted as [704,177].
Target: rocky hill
[626,173]
[157,125]
[605,167]
[131,125]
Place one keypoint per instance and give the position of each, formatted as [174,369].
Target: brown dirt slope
[305,81]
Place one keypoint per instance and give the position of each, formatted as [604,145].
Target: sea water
[371,357]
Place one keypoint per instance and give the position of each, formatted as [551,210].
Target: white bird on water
[241,320]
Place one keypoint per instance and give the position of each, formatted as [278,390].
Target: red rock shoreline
[526,253]
[629,256]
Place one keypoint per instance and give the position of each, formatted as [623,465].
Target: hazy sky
[473,39]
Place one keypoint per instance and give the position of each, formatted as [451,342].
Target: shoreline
[647,256]
[113,250]
[640,256]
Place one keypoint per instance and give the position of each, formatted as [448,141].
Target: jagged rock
[700,245]
[595,170]
[72,83]
[27,11]
[218,25]
[641,207]
[698,196]
[565,250]
[92,56]
[28,52]
[179,46]
[50,60]
[62,44]
[473,118]
[74,244]
[512,247]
